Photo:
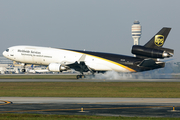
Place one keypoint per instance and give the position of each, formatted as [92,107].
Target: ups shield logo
[159,40]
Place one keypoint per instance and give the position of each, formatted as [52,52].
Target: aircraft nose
[4,54]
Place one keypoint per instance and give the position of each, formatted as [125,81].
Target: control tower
[136,32]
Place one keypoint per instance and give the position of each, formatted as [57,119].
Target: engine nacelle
[56,67]
[150,52]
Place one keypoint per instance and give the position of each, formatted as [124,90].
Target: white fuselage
[45,56]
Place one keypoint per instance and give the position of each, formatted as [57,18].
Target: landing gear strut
[24,70]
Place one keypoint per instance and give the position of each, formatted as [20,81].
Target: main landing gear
[80,76]
[88,76]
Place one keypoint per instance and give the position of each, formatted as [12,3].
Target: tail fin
[153,48]
[158,40]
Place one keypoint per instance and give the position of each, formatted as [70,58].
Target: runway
[142,107]
[89,80]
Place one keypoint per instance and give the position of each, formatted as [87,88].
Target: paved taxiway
[144,107]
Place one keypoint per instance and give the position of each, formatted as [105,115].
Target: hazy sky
[95,25]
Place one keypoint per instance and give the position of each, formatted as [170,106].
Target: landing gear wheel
[23,70]
[83,76]
[80,76]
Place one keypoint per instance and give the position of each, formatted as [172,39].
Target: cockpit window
[7,50]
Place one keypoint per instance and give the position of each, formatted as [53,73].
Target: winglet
[82,58]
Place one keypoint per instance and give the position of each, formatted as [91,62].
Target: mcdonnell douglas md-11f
[58,60]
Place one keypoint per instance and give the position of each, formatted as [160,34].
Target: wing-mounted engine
[146,52]
[56,67]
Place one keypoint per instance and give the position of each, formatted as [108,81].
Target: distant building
[4,60]
[136,32]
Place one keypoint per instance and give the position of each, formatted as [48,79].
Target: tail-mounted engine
[56,67]
[158,52]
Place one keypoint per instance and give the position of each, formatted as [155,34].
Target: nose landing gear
[23,69]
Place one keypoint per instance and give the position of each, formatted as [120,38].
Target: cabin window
[7,50]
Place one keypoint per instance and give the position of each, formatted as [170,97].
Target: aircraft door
[12,54]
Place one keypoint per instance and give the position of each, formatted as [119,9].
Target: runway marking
[78,109]
[5,102]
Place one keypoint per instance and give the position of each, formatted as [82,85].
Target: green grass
[72,117]
[90,89]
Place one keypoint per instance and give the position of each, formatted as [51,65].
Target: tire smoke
[162,73]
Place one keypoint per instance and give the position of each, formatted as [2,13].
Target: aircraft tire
[80,76]
[23,70]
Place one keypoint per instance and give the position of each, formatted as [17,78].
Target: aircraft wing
[80,65]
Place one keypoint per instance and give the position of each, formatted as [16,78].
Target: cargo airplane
[147,57]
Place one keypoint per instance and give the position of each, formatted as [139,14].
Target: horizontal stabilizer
[150,63]
[147,63]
